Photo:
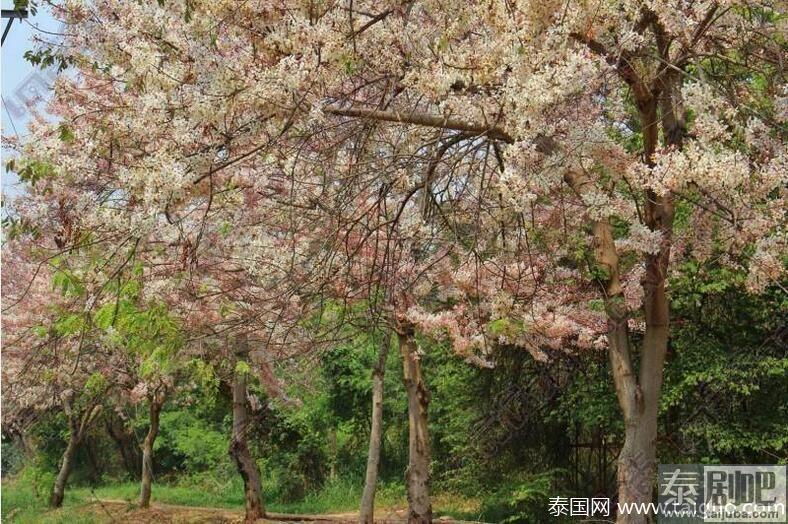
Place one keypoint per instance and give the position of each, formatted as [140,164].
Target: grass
[22,503]
[24,498]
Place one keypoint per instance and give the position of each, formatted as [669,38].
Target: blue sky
[19,78]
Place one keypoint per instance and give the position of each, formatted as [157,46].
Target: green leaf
[242,368]
[104,316]
[70,324]
[66,134]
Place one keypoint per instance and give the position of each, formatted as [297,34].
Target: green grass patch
[340,495]
[25,497]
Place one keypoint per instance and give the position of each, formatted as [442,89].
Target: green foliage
[590,400]
[48,57]
[96,384]
[507,327]
[20,5]
[13,457]
[150,332]
[66,133]
[67,283]
[527,500]
[190,443]
[70,324]
[30,171]
[725,397]
[242,368]
[205,380]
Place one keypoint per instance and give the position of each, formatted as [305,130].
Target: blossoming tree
[624,137]
[48,363]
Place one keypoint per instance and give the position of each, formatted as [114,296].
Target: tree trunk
[638,398]
[639,395]
[333,453]
[638,458]
[239,448]
[367,511]
[156,403]
[636,468]
[77,428]
[59,488]
[417,476]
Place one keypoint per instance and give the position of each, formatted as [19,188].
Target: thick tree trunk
[638,458]
[156,404]
[637,467]
[367,511]
[59,488]
[417,476]
[239,448]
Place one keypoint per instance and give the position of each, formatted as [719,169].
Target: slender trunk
[637,457]
[239,448]
[156,404]
[77,428]
[367,511]
[417,476]
[59,488]
[638,398]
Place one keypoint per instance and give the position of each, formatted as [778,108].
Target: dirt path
[112,511]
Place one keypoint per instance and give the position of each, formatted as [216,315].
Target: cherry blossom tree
[49,364]
[91,325]
[404,218]
[602,145]
[149,355]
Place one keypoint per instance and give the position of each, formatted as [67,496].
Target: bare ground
[112,511]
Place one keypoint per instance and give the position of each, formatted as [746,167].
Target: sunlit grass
[24,498]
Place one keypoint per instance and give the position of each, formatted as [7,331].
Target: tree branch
[422,119]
